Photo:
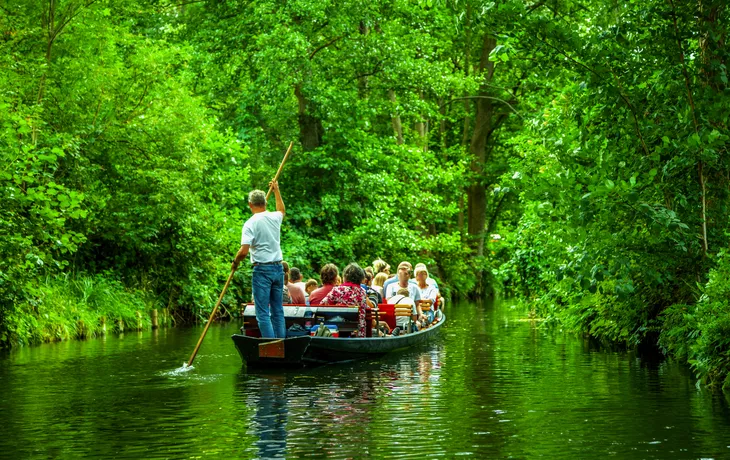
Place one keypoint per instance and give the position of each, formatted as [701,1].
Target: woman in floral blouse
[350,293]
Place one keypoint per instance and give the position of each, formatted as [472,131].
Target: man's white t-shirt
[262,233]
[413,291]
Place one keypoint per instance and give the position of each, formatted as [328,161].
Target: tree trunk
[690,99]
[53,27]
[442,124]
[477,191]
[712,42]
[310,127]
[467,64]
[397,126]
[467,106]
[420,128]
[460,217]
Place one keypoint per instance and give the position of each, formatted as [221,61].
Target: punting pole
[210,320]
[281,166]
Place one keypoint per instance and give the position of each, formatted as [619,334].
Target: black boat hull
[306,350]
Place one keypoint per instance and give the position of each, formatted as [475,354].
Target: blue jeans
[268,284]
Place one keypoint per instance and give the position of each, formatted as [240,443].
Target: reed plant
[77,307]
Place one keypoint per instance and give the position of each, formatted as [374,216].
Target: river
[493,385]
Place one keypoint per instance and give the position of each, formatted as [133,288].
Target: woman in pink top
[293,293]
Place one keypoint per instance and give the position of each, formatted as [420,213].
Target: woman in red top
[350,293]
[328,275]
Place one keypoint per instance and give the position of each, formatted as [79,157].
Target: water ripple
[492,386]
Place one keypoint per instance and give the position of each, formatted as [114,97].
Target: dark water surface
[493,386]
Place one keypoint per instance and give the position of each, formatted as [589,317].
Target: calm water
[494,385]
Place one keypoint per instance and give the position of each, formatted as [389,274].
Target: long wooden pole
[210,320]
[281,166]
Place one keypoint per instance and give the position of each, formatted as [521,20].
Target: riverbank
[66,307]
[694,333]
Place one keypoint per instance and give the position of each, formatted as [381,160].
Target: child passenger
[309,287]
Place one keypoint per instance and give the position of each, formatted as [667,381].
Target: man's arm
[240,255]
[279,202]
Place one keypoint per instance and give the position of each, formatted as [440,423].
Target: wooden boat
[300,348]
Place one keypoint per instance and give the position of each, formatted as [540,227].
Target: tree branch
[633,112]
[534,7]
[571,59]
[375,70]
[483,97]
[325,46]
[618,87]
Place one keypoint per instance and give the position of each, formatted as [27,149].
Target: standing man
[260,237]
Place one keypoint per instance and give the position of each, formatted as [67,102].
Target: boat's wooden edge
[431,329]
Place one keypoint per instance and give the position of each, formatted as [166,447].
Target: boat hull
[307,350]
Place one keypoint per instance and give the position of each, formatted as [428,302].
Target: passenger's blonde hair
[380,266]
[380,279]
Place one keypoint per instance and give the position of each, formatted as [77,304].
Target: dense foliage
[624,175]
[574,152]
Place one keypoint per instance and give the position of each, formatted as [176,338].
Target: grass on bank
[66,307]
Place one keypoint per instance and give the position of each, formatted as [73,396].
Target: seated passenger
[310,286]
[394,280]
[369,271]
[293,292]
[379,266]
[427,291]
[401,298]
[403,280]
[285,297]
[328,275]
[381,330]
[378,281]
[432,282]
[375,297]
[295,277]
[350,293]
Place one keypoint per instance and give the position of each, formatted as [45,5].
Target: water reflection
[268,394]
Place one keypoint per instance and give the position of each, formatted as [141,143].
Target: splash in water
[180,370]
